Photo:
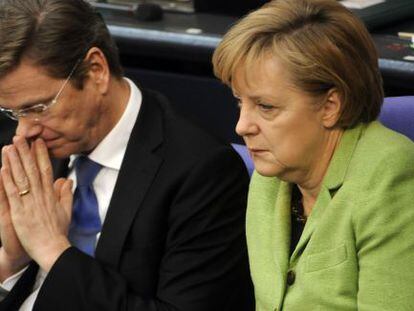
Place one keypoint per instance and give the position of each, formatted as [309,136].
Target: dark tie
[86,223]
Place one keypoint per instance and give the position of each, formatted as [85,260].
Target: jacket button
[290,277]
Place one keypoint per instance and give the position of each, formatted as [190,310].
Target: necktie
[86,222]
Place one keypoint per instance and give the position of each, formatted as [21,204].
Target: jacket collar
[140,164]
[341,159]
[333,180]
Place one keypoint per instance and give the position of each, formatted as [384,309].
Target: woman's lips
[256,151]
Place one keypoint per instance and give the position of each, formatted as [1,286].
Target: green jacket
[357,249]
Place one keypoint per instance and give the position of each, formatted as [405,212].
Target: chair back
[397,113]
[244,154]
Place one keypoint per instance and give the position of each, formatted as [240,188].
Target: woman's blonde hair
[321,44]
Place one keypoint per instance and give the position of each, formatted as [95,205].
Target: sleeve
[23,288]
[204,266]
[384,228]
[9,283]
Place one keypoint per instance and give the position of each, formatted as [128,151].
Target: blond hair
[320,43]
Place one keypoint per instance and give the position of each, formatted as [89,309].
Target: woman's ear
[332,108]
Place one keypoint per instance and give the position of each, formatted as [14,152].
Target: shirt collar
[111,150]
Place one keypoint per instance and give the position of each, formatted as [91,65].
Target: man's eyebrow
[31,103]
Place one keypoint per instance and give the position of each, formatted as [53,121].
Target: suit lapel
[139,167]
[333,180]
[281,227]
[60,168]
[324,198]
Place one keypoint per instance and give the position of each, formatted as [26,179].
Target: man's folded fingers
[18,173]
[10,188]
[44,165]
[27,162]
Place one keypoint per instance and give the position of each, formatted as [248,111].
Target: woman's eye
[266,107]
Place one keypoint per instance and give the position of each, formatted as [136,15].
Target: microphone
[145,12]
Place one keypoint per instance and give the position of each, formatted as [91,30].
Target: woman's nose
[245,125]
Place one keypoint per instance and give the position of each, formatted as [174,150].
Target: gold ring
[24,192]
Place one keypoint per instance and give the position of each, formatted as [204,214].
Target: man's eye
[39,108]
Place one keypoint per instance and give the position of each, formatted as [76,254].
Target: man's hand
[40,209]
[12,255]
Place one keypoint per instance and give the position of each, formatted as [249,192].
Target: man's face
[70,126]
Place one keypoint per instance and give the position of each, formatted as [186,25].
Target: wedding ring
[24,192]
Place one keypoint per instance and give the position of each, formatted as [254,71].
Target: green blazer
[357,249]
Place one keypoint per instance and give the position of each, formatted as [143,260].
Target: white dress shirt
[109,153]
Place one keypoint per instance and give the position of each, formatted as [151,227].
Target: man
[159,225]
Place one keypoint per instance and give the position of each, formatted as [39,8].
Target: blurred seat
[397,113]
[244,154]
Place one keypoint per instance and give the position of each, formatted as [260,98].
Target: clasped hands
[35,212]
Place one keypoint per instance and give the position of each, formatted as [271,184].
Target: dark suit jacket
[173,237]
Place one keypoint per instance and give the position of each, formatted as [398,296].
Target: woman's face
[283,128]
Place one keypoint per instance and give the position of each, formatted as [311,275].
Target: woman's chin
[269,169]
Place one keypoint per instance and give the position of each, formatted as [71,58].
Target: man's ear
[98,72]
[332,108]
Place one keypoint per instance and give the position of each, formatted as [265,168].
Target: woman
[330,221]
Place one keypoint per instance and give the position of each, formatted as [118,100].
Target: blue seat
[244,154]
[397,113]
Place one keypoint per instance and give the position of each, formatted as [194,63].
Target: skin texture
[288,133]
[74,124]
[35,225]
[40,218]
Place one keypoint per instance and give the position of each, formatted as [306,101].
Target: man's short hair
[321,44]
[53,34]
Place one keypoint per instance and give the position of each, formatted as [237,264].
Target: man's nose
[28,127]
[246,125]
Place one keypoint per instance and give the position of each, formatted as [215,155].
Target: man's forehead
[25,84]
[24,76]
